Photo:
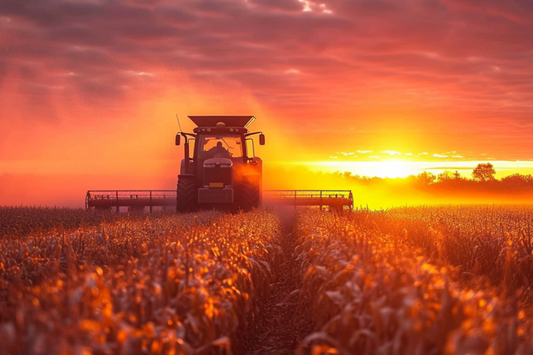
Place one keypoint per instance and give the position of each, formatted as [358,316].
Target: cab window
[221,147]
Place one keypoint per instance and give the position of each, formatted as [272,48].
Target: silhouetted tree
[517,179]
[425,178]
[484,172]
[445,175]
[456,175]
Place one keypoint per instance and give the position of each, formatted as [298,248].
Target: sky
[89,89]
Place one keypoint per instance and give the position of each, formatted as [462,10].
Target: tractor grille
[218,173]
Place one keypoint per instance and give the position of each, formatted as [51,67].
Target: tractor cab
[221,168]
[219,141]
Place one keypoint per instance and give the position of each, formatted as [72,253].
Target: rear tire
[186,194]
[249,194]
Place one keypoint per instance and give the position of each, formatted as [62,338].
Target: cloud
[470,59]
[391,152]
[281,5]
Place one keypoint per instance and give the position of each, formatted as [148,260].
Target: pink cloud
[469,58]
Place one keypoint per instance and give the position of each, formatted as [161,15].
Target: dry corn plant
[188,284]
[495,242]
[373,293]
[22,221]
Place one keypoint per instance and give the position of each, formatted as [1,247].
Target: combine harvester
[221,173]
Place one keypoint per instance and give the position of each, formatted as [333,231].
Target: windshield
[221,147]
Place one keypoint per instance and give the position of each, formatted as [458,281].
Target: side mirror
[178,139]
[261,139]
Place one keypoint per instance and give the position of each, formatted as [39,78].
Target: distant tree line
[483,180]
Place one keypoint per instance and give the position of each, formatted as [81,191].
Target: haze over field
[89,89]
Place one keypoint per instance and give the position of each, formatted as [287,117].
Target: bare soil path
[280,323]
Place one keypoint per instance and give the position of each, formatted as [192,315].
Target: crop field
[411,280]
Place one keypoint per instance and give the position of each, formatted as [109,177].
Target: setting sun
[392,169]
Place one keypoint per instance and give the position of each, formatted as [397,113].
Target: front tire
[186,194]
[249,195]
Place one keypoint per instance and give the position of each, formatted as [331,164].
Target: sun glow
[396,168]
[392,169]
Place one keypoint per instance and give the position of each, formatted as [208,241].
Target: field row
[173,285]
[440,280]
[372,292]
[21,221]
